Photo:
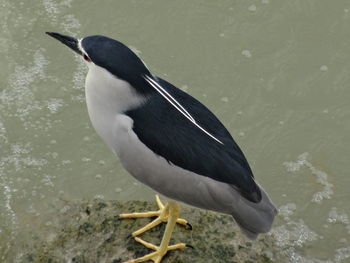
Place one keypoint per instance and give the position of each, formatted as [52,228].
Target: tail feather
[255,218]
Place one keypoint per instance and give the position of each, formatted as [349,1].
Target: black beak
[67,40]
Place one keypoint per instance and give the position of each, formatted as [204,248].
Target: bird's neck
[106,97]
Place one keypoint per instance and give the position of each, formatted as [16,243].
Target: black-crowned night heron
[169,141]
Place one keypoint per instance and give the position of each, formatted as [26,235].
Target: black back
[170,135]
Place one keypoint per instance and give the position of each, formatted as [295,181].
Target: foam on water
[7,192]
[55,104]
[79,81]
[20,158]
[294,236]
[246,53]
[321,177]
[335,217]
[55,8]
[292,233]
[70,24]
[18,98]
[23,105]
[3,138]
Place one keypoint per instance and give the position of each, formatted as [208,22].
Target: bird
[169,141]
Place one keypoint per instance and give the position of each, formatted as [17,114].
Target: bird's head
[110,54]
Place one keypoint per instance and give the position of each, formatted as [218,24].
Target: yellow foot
[159,251]
[172,211]
[162,216]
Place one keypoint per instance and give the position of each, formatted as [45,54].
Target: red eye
[86,58]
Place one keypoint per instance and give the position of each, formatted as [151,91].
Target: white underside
[107,97]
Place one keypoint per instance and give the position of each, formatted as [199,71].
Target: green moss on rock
[93,232]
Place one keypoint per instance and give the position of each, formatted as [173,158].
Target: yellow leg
[162,216]
[158,254]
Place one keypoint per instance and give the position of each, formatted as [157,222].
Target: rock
[92,232]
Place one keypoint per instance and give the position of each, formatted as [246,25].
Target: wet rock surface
[92,232]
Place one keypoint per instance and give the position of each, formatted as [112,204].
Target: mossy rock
[93,232]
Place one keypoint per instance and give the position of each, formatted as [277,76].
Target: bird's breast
[107,97]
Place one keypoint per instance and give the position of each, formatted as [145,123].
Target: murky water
[277,73]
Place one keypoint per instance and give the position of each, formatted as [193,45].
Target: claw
[189,226]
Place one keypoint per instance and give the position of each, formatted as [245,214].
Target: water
[275,72]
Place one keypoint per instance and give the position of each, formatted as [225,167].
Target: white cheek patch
[80,45]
